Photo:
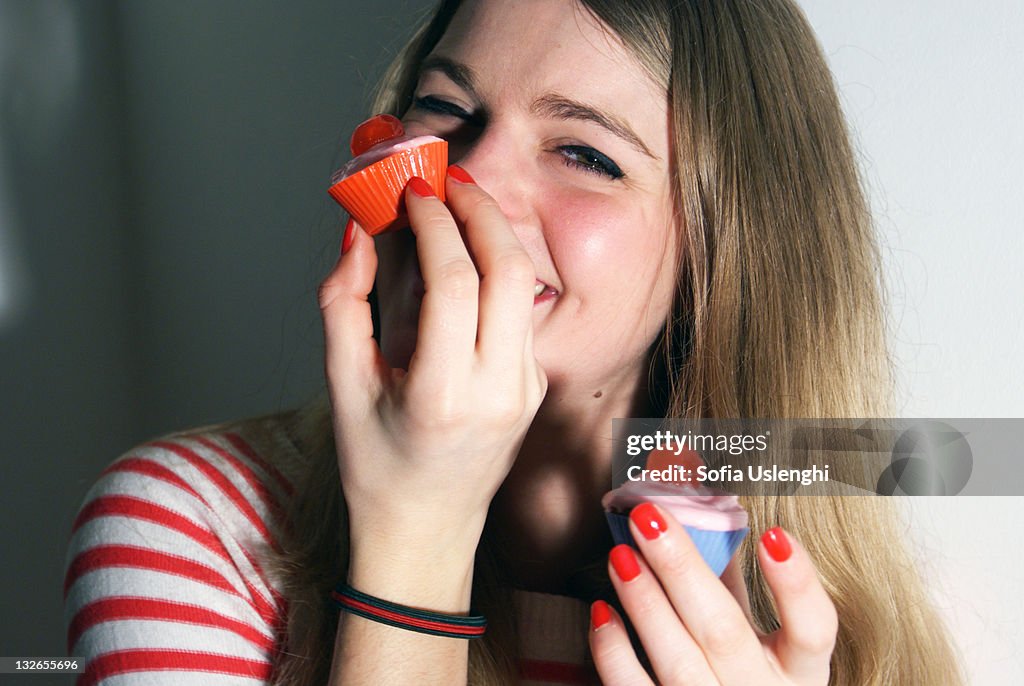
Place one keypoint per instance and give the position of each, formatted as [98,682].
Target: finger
[614,657]
[507,274]
[736,584]
[674,655]
[804,642]
[448,314]
[352,358]
[707,608]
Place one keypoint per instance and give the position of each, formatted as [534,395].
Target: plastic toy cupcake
[714,520]
[370,185]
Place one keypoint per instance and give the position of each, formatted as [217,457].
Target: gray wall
[163,226]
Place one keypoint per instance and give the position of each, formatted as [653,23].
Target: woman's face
[555,119]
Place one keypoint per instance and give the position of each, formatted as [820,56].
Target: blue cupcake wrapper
[716,547]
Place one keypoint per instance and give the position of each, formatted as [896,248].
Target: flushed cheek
[598,244]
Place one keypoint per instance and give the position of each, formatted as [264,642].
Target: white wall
[931,90]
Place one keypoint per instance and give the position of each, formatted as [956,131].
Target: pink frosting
[379,152]
[697,506]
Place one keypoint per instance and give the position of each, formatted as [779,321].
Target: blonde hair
[779,314]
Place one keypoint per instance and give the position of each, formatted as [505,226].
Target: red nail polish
[648,520]
[600,614]
[624,562]
[350,235]
[777,544]
[421,188]
[460,174]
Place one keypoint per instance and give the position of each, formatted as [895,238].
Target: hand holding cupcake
[714,520]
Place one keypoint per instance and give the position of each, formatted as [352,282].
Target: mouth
[543,292]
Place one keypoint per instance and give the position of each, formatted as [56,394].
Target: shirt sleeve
[164,583]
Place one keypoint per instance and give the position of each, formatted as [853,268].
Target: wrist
[416,561]
[424,577]
[419,532]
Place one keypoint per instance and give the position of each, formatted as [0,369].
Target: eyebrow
[550,105]
[463,76]
[558,107]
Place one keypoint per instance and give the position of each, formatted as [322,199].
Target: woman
[654,212]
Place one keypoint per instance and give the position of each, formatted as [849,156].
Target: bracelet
[366,606]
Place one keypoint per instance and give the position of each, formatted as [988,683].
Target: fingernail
[460,174]
[624,562]
[777,544]
[421,188]
[648,520]
[350,235]
[600,614]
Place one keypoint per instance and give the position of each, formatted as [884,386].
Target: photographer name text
[727,473]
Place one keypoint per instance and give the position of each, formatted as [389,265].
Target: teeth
[538,289]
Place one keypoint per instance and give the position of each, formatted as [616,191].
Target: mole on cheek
[598,394]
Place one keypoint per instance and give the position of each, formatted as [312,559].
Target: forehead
[522,49]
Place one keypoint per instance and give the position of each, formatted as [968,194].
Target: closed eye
[437,106]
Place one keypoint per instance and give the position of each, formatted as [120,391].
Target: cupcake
[370,185]
[714,519]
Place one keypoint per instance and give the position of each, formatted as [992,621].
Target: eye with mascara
[434,105]
[590,160]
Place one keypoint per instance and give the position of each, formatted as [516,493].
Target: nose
[496,162]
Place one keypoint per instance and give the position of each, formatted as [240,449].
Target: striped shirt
[165,585]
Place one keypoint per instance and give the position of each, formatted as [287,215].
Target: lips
[542,291]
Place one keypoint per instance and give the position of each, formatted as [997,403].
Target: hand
[423,452]
[695,630]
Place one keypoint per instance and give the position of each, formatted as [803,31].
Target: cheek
[603,244]
[586,233]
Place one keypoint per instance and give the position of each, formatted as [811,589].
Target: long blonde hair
[779,314]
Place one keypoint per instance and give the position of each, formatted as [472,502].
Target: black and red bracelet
[393,614]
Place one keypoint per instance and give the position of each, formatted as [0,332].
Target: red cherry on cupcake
[375,130]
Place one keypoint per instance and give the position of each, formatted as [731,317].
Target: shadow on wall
[163,227]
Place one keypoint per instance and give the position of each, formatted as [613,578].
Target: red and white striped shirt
[165,584]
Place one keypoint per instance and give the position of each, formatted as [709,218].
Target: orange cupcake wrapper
[373,195]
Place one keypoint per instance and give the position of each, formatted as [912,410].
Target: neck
[546,521]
